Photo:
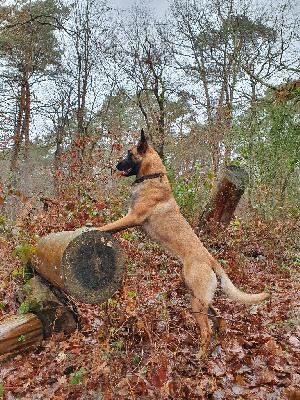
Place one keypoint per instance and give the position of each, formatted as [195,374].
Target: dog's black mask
[128,166]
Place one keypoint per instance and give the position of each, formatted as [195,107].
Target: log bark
[224,200]
[86,263]
[55,315]
[19,333]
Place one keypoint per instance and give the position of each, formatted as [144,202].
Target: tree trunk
[86,263]
[224,200]
[14,163]
[58,157]
[25,129]
[19,333]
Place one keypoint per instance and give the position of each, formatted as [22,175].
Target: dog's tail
[233,292]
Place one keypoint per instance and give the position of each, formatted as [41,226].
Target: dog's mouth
[126,172]
[127,167]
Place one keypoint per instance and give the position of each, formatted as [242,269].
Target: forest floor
[143,343]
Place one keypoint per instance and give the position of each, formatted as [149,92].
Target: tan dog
[154,210]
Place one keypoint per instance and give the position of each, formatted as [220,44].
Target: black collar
[144,178]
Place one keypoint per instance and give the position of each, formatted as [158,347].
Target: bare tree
[225,48]
[143,60]
[29,48]
[79,93]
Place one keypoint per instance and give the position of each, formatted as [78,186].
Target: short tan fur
[154,209]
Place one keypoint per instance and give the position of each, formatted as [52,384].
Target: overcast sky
[160,6]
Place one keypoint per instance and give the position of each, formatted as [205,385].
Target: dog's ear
[143,143]
[143,137]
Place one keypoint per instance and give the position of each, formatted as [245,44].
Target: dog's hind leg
[215,317]
[202,282]
[200,312]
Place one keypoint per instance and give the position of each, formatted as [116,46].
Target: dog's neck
[151,167]
[150,176]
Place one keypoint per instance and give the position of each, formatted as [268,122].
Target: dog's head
[132,162]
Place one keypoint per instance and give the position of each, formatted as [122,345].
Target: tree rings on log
[19,333]
[86,263]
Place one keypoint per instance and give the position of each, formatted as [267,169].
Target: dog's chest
[135,195]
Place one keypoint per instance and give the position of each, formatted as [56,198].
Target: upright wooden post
[224,200]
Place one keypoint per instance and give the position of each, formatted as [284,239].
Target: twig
[130,388]
[147,331]
[209,315]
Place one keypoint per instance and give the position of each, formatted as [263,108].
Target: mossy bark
[52,311]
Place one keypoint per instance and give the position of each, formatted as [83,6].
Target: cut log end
[86,263]
[92,267]
[237,176]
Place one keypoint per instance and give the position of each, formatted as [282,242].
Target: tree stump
[86,263]
[224,200]
[19,333]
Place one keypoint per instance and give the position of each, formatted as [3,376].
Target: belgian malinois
[154,210]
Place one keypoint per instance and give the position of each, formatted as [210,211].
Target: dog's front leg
[129,221]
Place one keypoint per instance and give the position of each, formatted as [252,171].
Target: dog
[154,209]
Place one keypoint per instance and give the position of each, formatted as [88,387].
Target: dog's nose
[119,166]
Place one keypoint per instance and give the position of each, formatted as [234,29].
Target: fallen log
[51,308]
[42,313]
[224,200]
[86,263]
[19,333]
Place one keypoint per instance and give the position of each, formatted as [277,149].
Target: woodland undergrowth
[142,343]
